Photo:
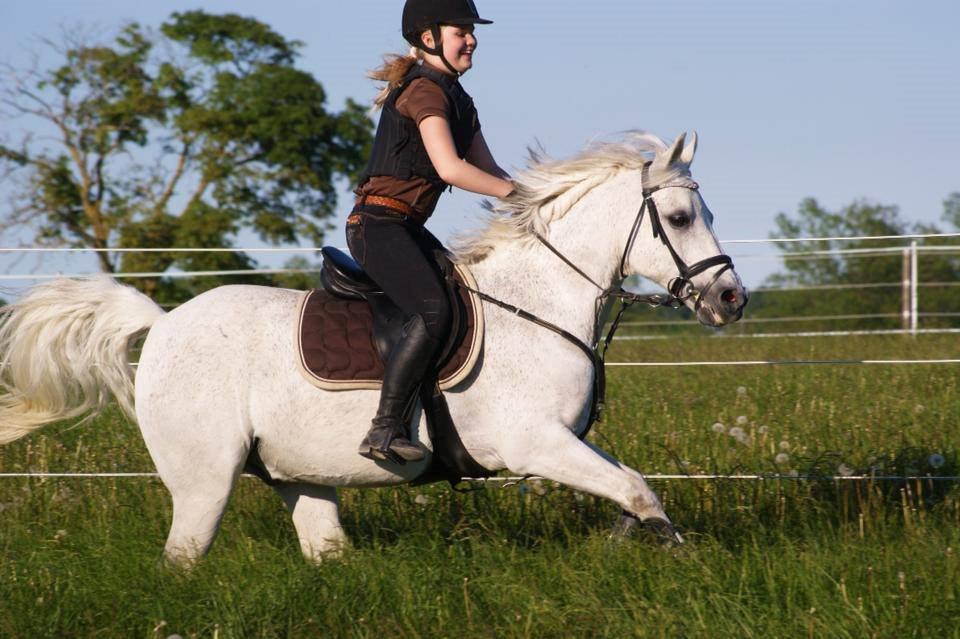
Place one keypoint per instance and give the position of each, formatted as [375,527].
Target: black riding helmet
[420,15]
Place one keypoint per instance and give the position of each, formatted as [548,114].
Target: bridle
[681,288]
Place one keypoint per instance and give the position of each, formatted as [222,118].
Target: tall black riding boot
[388,438]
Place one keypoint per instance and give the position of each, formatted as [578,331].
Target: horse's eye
[679,220]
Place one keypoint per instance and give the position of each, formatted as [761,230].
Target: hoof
[660,530]
[626,527]
[664,532]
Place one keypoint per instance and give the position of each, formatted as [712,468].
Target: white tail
[63,346]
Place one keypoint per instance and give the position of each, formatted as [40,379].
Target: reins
[681,288]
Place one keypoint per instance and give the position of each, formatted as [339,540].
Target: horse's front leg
[558,455]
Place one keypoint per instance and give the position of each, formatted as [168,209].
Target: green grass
[81,557]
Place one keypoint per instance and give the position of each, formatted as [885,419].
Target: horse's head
[671,241]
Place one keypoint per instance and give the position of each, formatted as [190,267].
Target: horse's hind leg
[196,518]
[200,493]
[316,516]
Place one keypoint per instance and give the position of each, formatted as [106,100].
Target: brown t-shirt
[422,98]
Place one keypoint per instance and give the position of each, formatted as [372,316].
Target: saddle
[346,330]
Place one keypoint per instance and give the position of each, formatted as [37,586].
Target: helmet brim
[467,21]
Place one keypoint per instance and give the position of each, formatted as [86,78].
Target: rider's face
[459,43]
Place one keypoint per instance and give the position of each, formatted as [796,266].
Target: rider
[428,138]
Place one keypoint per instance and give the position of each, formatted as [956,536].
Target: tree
[951,210]
[861,218]
[181,138]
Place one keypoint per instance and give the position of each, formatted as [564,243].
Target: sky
[832,99]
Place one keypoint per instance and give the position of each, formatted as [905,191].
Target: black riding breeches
[398,255]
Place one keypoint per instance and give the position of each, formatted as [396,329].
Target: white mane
[547,189]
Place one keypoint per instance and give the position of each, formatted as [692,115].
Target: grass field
[780,558]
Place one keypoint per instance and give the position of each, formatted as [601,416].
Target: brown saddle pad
[334,339]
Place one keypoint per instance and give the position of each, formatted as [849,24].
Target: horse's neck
[530,276]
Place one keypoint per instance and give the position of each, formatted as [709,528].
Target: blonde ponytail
[394,69]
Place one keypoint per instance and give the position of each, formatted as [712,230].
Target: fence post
[905,291]
[913,287]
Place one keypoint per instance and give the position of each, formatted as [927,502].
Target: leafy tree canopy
[179,138]
[883,270]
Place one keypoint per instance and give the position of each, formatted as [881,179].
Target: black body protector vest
[398,149]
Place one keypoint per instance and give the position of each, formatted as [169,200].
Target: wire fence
[506,481]
[511,480]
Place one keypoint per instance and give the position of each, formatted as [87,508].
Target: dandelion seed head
[919,408]
[844,470]
[736,432]
[782,458]
[718,427]
[742,419]
[741,390]
[936,460]
[784,445]
[538,487]
[763,430]
[421,499]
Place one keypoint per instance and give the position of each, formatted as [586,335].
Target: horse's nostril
[729,296]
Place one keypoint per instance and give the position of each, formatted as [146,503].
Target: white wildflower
[782,458]
[718,427]
[538,487]
[784,445]
[742,419]
[763,430]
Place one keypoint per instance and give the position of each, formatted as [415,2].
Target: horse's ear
[673,153]
[688,152]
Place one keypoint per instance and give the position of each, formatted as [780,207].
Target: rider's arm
[438,141]
[480,156]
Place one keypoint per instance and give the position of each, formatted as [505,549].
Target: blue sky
[837,100]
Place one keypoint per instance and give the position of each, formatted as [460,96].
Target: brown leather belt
[390,205]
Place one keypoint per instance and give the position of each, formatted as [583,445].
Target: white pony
[219,373]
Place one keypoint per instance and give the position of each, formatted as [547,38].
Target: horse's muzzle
[723,306]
